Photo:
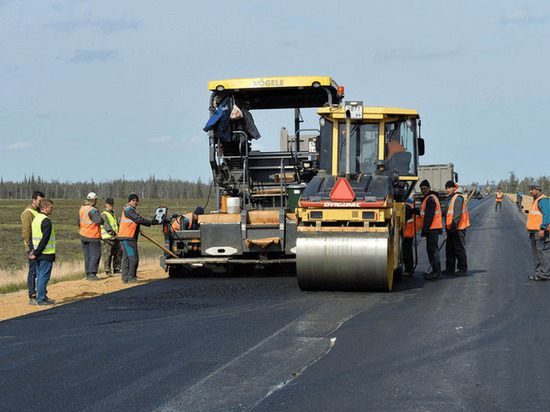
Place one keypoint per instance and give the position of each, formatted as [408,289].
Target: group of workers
[120,252]
[429,221]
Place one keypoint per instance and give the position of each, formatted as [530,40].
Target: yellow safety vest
[111,218]
[33,211]
[37,235]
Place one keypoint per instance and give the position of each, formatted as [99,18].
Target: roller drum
[348,261]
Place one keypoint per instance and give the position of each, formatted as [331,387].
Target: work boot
[108,273]
[460,273]
[447,272]
[133,280]
[92,277]
[32,300]
[432,276]
[46,302]
[537,277]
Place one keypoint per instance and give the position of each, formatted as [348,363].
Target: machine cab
[380,138]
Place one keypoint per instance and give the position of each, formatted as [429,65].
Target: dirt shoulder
[16,304]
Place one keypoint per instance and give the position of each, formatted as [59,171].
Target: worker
[90,222]
[519,200]
[394,145]
[538,222]
[112,253]
[432,227]
[456,222]
[412,226]
[43,245]
[500,198]
[28,215]
[188,221]
[128,234]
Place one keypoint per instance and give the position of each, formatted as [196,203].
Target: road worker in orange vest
[432,227]
[188,221]
[456,222]
[128,234]
[412,226]
[538,222]
[500,198]
[90,221]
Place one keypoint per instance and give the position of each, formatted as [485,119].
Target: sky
[101,89]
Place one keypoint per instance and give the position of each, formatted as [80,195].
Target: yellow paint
[272,82]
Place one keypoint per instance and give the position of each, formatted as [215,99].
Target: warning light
[342,191]
[340,91]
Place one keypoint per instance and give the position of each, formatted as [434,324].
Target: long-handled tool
[107,241]
[159,245]
[445,239]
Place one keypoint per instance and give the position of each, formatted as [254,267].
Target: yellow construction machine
[354,170]
[351,216]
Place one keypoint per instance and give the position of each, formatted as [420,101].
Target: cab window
[364,147]
[400,138]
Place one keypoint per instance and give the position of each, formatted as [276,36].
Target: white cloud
[171,142]
[19,146]
[524,15]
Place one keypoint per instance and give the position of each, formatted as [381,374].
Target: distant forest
[151,188]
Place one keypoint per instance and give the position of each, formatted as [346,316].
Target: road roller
[351,215]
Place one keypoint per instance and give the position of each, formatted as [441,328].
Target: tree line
[151,188]
[512,184]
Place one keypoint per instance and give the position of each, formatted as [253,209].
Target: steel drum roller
[327,261]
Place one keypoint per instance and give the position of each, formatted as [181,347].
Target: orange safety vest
[534,219]
[499,196]
[436,223]
[127,226]
[464,219]
[410,226]
[177,223]
[87,227]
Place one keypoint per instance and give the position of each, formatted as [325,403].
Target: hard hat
[198,211]
[91,196]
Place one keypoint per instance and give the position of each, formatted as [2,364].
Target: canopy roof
[278,92]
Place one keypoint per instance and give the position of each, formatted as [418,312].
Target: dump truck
[437,175]
[329,204]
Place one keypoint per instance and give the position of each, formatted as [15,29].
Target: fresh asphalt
[479,342]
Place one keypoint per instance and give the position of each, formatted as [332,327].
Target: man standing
[500,197]
[432,227]
[112,254]
[28,215]
[412,226]
[456,222]
[519,200]
[90,222]
[128,235]
[537,225]
[189,221]
[43,242]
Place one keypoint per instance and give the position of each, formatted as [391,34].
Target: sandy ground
[16,304]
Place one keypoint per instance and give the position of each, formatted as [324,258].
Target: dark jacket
[46,227]
[457,212]
[131,213]
[429,214]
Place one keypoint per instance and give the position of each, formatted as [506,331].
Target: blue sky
[100,89]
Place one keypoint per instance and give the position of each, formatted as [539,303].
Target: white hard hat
[91,196]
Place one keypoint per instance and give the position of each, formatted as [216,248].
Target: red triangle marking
[342,191]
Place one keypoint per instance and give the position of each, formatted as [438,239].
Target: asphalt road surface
[480,342]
